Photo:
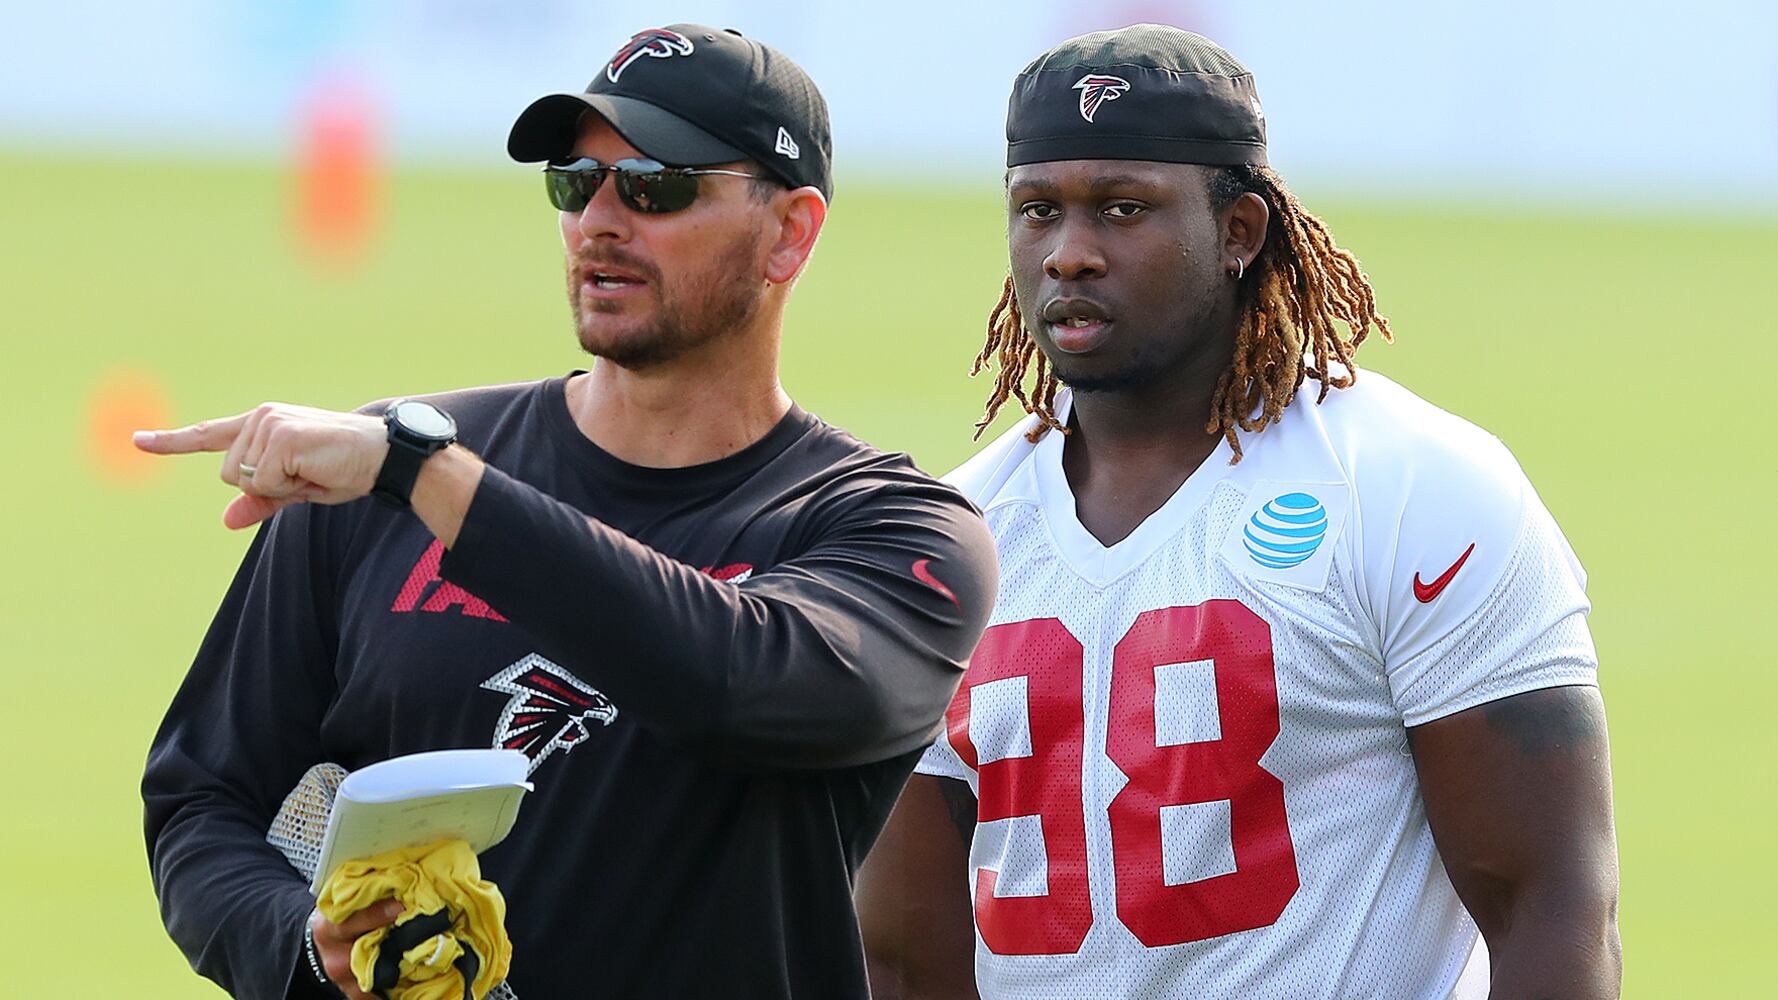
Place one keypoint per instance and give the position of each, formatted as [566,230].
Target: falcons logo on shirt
[550,709]
[658,43]
[1095,89]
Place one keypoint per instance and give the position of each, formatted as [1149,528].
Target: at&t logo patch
[1287,532]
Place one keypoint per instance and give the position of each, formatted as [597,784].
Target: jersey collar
[1097,563]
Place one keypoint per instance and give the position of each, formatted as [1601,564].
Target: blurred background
[1569,211]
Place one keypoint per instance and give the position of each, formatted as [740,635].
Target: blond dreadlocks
[1300,283]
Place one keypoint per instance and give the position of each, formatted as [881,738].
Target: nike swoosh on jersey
[924,575]
[1426,592]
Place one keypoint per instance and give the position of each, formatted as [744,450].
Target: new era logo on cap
[786,146]
[658,43]
[1095,89]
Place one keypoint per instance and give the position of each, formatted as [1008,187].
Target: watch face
[424,419]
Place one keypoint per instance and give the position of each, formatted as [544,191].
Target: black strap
[470,964]
[404,936]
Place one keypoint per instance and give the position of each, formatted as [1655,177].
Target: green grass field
[1608,352]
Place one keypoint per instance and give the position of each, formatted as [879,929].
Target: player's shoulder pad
[1442,506]
[981,477]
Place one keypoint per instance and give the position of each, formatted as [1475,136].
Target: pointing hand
[278,454]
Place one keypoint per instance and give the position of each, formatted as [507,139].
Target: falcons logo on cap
[550,709]
[658,43]
[1095,89]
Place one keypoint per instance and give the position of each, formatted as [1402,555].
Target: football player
[1288,690]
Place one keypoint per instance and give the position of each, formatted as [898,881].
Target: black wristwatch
[417,431]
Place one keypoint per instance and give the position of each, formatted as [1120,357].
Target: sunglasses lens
[657,193]
[565,190]
[643,185]
[570,186]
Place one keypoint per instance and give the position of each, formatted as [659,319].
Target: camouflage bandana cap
[1146,92]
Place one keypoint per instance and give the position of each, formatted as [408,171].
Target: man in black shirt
[721,630]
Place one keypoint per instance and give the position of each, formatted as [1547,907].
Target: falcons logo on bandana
[658,43]
[550,709]
[1095,89]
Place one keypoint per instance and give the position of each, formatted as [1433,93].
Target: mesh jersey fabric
[300,825]
[1189,748]
[443,877]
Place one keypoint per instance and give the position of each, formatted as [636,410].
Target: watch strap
[408,450]
[401,468]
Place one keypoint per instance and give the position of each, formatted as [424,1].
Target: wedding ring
[248,470]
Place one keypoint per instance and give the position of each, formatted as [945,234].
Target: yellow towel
[457,918]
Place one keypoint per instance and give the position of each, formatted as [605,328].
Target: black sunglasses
[644,185]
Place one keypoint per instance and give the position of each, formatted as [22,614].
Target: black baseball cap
[689,95]
[1145,92]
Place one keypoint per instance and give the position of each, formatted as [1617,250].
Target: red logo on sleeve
[732,573]
[440,595]
[923,573]
[1426,592]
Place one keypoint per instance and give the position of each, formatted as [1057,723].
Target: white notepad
[472,795]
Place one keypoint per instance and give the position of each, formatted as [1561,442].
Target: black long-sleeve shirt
[722,675]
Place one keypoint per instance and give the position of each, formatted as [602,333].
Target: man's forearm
[444,489]
[1558,945]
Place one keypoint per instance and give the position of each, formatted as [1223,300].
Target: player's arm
[1518,794]
[913,899]
[1482,610]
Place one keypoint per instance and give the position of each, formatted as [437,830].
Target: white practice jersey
[1189,749]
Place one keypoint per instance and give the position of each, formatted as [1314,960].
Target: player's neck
[1129,451]
[1163,421]
[695,409]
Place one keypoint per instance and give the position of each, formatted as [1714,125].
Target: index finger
[206,435]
